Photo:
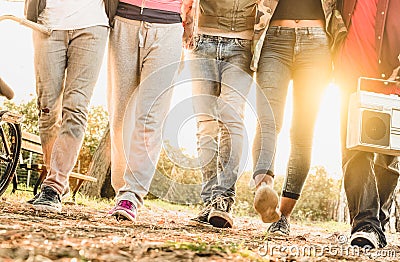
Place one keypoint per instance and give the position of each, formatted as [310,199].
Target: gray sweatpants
[143,59]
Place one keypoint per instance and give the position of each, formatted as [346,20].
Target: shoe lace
[50,192]
[126,204]
[205,210]
[221,203]
[281,223]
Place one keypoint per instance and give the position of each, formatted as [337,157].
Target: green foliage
[29,111]
[244,196]
[178,173]
[97,123]
[170,178]
[319,198]
[318,201]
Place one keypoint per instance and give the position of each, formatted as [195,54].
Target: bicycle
[10,122]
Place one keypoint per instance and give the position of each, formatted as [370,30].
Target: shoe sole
[196,223]
[278,234]
[220,219]
[266,204]
[122,215]
[47,208]
[362,240]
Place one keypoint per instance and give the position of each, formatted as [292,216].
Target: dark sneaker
[48,200]
[124,210]
[266,203]
[202,216]
[220,212]
[30,201]
[366,237]
[280,227]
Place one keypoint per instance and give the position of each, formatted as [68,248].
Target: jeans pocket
[243,43]
[319,39]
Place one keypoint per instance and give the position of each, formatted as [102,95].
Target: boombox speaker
[374,120]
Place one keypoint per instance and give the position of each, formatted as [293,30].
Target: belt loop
[141,37]
[147,25]
[308,31]
[278,30]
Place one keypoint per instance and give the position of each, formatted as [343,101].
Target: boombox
[374,120]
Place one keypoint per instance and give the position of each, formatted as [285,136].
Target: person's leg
[387,176]
[160,55]
[50,55]
[83,58]
[360,185]
[123,79]
[205,91]
[311,74]
[273,78]
[236,80]
[50,59]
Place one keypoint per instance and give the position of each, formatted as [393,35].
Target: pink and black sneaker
[124,210]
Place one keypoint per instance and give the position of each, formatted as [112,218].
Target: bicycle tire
[10,148]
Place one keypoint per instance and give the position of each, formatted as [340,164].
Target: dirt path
[82,233]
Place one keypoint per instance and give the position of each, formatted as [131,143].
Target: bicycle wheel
[10,147]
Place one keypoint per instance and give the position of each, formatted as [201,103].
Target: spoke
[4,141]
[5,158]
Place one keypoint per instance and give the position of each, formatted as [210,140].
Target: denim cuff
[263,171]
[291,195]
[252,183]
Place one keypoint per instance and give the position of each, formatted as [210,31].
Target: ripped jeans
[67,65]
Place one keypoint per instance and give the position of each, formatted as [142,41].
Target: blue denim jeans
[301,55]
[220,69]
[67,65]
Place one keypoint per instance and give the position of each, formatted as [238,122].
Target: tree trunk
[100,168]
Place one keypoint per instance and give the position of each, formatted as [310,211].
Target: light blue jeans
[144,58]
[67,65]
[222,78]
[301,55]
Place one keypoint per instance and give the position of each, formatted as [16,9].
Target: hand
[186,9]
[395,75]
[187,14]
[188,30]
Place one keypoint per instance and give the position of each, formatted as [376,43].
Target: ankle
[264,179]
[287,217]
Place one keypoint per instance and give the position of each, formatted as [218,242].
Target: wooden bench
[31,143]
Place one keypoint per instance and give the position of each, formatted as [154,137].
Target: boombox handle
[386,82]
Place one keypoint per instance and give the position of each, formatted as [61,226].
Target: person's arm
[187,13]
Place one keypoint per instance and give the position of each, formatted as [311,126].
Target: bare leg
[287,206]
